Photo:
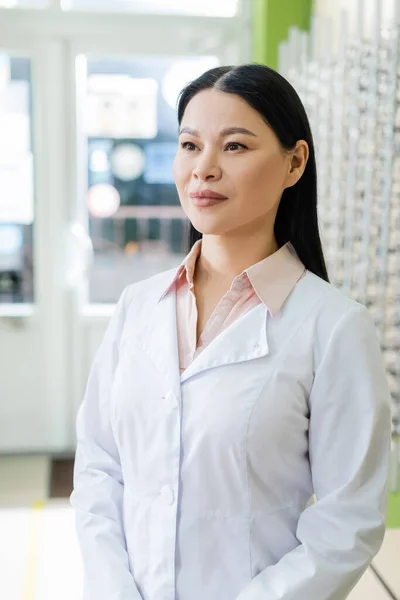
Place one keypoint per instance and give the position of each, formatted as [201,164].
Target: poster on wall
[16,188]
[121,106]
[16,160]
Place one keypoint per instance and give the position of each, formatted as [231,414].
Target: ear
[297,161]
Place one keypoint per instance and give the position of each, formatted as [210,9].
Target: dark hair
[274,98]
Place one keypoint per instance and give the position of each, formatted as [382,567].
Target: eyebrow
[223,133]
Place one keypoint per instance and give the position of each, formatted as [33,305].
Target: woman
[233,443]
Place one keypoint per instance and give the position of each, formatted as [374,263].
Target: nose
[207,168]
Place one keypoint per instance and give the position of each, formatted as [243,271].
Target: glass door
[16,180]
[33,298]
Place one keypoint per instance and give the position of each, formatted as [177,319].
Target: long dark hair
[273,97]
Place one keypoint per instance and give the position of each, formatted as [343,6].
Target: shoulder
[331,303]
[136,301]
[149,289]
[334,317]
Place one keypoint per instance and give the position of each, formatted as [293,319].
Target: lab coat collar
[272,278]
[245,339]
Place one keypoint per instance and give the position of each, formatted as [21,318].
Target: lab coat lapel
[245,339]
[158,336]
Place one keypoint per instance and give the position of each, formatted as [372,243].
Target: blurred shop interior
[88,133]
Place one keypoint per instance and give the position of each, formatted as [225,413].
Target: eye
[234,146]
[188,146]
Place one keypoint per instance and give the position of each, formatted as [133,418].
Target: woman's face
[225,146]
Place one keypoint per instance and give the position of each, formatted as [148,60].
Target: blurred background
[88,132]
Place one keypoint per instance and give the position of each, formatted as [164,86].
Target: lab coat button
[167,494]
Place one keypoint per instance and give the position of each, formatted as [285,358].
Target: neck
[222,258]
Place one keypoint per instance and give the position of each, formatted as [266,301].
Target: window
[16,181]
[136,223]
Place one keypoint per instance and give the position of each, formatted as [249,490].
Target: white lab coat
[196,486]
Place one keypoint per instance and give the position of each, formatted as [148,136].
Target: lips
[206,201]
[207,194]
[206,198]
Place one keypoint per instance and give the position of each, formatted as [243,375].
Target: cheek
[181,170]
[182,178]
[175,170]
[264,175]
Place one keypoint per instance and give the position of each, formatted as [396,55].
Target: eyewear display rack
[351,92]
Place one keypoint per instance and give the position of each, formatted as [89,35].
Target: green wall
[272,19]
[393,516]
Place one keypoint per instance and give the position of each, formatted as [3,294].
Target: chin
[207,227]
[209,221]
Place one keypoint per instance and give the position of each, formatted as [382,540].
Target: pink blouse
[270,281]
